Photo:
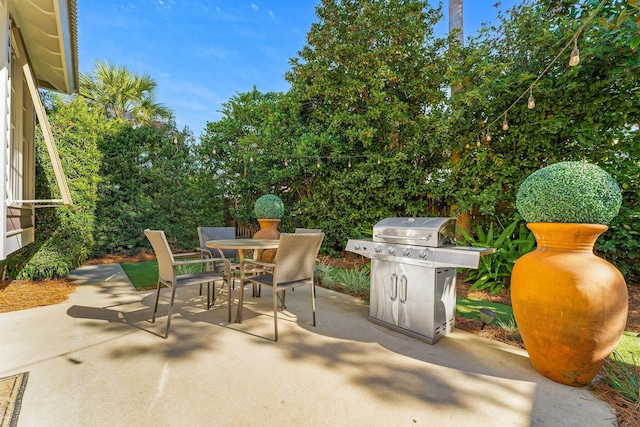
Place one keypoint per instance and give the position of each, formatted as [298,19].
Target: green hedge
[150,178]
[64,235]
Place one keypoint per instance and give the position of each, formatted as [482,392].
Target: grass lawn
[144,275]
[470,309]
[628,348]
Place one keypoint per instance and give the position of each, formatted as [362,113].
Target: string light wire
[553,61]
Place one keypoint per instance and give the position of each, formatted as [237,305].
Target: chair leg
[155,308]
[313,302]
[275,312]
[215,295]
[230,284]
[256,290]
[173,296]
[209,293]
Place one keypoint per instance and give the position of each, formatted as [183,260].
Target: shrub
[355,281]
[269,206]
[570,192]
[494,270]
[63,235]
[623,377]
[150,177]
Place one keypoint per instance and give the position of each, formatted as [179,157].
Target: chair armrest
[204,252]
[209,253]
[259,263]
[186,254]
[203,261]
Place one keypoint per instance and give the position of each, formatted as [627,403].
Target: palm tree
[121,93]
[455,18]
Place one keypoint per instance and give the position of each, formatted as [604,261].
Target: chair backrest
[296,256]
[308,230]
[217,233]
[163,253]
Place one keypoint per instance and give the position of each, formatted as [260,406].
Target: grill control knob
[406,251]
[423,253]
[356,247]
[378,249]
[391,250]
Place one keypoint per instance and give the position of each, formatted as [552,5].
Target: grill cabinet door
[413,298]
[416,299]
[383,304]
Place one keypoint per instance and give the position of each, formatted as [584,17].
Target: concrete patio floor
[96,360]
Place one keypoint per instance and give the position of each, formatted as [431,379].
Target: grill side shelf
[460,256]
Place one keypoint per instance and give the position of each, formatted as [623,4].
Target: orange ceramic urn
[268,230]
[569,304]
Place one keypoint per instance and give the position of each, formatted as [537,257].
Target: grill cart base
[416,301]
[413,274]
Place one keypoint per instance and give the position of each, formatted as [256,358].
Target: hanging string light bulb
[318,164]
[467,146]
[251,158]
[286,162]
[214,151]
[574,59]
[531,103]
[488,136]
[379,160]
[478,142]
[349,165]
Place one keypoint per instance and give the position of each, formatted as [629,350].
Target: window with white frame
[20,106]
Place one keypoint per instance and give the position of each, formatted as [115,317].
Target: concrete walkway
[96,360]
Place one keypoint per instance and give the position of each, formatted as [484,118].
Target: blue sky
[203,52]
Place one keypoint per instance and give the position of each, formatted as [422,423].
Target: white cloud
[129,7]
[254,6]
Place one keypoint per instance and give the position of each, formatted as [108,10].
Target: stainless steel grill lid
[431,232]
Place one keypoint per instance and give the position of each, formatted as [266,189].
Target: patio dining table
[240,245]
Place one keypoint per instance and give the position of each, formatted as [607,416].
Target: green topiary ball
[269,206]
[570,192]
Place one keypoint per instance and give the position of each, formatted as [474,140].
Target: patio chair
[293,266]
[310,230]
[169,276]
[217,233]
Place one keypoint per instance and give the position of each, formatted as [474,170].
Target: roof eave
[49,29]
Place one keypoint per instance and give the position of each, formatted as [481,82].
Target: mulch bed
[22,294]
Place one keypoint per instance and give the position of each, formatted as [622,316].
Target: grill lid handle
[386,236]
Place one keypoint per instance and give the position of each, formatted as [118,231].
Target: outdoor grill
[413,274]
